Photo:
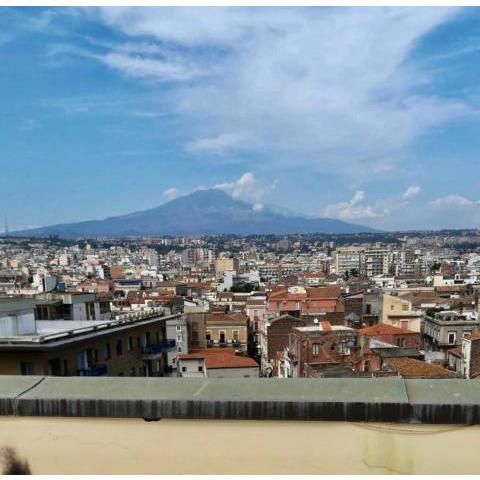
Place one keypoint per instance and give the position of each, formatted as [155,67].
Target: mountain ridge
[203,212]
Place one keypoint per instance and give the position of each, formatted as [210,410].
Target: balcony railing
[159,347]
[96,371]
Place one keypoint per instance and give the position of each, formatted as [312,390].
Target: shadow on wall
[11,464]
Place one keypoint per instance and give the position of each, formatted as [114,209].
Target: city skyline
[110,111]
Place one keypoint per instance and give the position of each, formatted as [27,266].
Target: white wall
[20,324]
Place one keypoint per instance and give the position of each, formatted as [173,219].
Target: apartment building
[305,300]
[445,330]
[176,329]
[134,345]
[398,312]
[227,330]
[347,259]
[316,347]
[375,261]
[223,265]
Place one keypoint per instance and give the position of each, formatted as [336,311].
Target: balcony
[159,347]
[96,371]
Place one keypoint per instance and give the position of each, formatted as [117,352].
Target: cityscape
[239,240]
[319,305]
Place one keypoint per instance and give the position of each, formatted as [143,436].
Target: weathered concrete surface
[382,400]
[331,399]
[12,387]
[445,401]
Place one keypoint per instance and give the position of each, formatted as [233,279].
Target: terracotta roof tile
[385,329]
[220,358]
[412,368]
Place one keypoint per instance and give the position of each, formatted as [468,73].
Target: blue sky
[369,115]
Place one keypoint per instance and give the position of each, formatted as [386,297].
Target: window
[344,348]
[106,352]
[27,368]
[184,369]
[405,308]
[209,335]
[235,335]
[452,337]
[222,337]
[200,368]
[179,338]
[466,333]
[179,349]
[315,349]
[130,344]
[178,328]
[119,347]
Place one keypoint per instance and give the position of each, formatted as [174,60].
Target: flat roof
[52,339]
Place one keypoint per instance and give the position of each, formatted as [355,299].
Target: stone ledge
[383,400]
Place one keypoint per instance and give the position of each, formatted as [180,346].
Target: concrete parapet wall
[381,400]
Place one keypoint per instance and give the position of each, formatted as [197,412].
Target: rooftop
[220,358]
[412,368]
[385,329]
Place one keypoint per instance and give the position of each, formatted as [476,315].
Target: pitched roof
[457,351]
[385,329]
[412,368]
[220,358]
[332,291]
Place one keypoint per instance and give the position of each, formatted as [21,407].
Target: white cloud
[288,84]
[357,209]
[411,192]
[354,210]
[171,193]
[217,144]
[247,188]
[168,69]
[456,201]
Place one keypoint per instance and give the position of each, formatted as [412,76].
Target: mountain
[204,212]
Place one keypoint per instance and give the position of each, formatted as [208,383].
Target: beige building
[223,265]
[227,330]
[347,259]
[398,312]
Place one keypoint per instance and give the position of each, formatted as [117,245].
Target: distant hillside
[204,212]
